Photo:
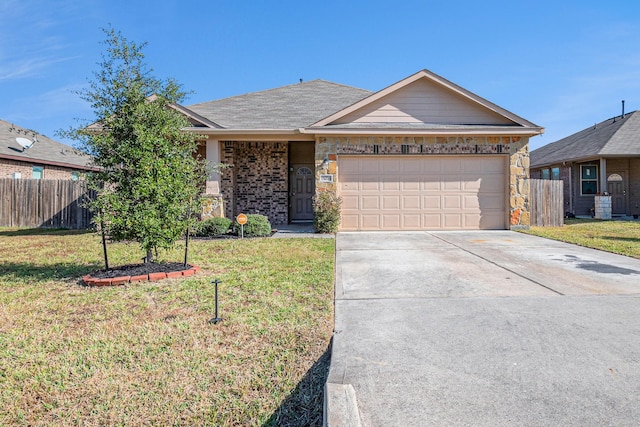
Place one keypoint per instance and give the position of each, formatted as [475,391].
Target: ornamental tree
[149,177]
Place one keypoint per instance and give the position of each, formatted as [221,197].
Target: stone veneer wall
[517,148]
[257,181]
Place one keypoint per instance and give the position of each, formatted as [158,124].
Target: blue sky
[563,65]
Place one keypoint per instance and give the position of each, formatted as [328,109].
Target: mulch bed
[140,269]
[131,273]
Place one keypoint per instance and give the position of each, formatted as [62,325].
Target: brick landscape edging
[151,277]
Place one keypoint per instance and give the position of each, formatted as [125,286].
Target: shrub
[326,207]
[256,226]
[211,227]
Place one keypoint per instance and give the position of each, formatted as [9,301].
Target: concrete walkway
[483,329]
[299,230]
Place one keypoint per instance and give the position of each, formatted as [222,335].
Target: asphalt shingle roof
[613,137]
[45,150]
[287,107]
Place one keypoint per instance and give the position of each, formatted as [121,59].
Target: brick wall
[258,180]
[8,167]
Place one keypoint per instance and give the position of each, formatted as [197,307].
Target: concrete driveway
[483,329]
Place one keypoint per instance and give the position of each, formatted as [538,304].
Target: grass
[620,237]
[144,354]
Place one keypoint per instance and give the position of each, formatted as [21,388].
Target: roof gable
[425,98]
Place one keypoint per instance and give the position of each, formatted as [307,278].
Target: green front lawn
[620,237]
[144,354]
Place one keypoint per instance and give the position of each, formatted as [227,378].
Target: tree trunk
[149,257]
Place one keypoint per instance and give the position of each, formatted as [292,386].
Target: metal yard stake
[216,319]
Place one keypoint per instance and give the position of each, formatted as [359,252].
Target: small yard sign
[241,219]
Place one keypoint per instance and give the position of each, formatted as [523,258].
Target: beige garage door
[422,193]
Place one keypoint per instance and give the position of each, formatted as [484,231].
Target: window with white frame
[588,179]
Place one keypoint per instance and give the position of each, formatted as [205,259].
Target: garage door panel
[370,183]
[411,221]
[410,186]
[391,183]
[433,184]
[350,201]
[452,201]
[391,221]
[472,185]
[348,184]
[490,182]
[410,202]
[422,192]
[452,221]
[349,221]
[390,165]
[452,185]
[412,166]
[492,164]
[370,202]
[431,201]
[490,201]
[391,202]
[370,222]
[368,165]
[432,221]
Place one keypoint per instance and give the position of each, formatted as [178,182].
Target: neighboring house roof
[43,151]
[615,137]
[288,107]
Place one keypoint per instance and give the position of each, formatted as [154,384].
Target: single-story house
[25,154]
[603,158]
[421,154]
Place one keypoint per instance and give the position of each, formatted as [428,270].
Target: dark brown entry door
[301,191]
[616,186]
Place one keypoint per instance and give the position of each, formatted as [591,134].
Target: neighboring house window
[588,179]
[38,172]
[75,176]
[553,173]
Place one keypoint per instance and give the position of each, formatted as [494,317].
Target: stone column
[519,215]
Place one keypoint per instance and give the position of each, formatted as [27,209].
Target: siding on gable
[424,102]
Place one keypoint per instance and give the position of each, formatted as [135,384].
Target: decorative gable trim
[425,74]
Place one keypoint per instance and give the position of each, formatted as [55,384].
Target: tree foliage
[149,178]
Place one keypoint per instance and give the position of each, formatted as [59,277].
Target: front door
[616,186]
[301,191]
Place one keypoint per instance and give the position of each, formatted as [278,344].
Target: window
[544,174]
[553,173]
[38,172]
[588,179]
[75,176]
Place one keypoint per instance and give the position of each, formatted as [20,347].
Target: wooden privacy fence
[546,201]
[44,203]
